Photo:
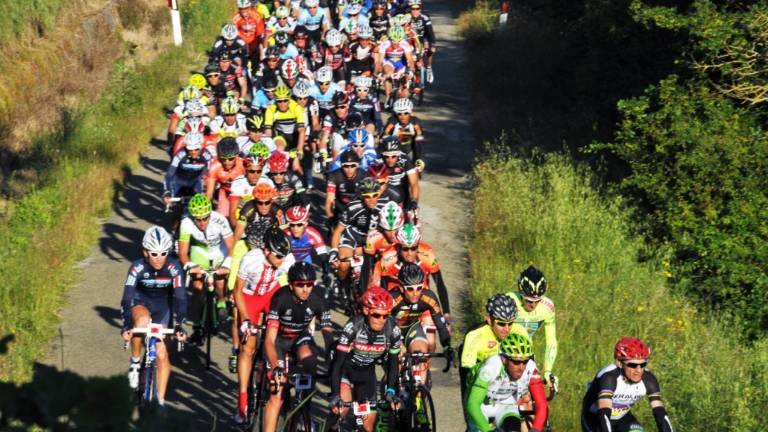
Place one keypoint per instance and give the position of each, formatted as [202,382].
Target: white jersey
[217,230]
[501,388]
[222,129]
[260,276]
[240,187]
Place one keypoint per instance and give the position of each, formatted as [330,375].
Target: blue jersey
[158,290]
[324,100]
[302,247]
[368,158]
[312,22]
[261,100]
[290,52]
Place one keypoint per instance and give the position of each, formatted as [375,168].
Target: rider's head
[333,38]
[350,161]
[370,191]
[298,217]
[391,219]
[379,7]
[341,105]
[263,196]
[282,97]
[358,139]
[391,150]
[516,351]
[212,73]
[415,7]
[532,286]
[255,127]
[226,151]
[301,277]
[157,245]
[229,108]
[408,239]
[193,143]
[631,355]
[300,36]
[199,209]
[225,61]
[301,92]
[277,246]
[229,33]
[501,314]
[377,305]
[362,85]
[364,34]
[380,172]
[278,167]
[244,8]
[411,280]
[403,108]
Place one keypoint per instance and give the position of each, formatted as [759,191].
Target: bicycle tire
[421,393]
[209,326]
[149,387]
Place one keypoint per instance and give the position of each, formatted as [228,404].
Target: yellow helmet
[198,80]
[229,106]
[282,92]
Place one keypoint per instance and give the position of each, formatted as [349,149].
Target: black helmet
[501,307]
[211,68]
[354,121]
[282,38]
[271,52]
[254,235]
[349,156]
[270,82]
[277,241]
[368,185]
[410,274]
[390,143]
[532,282]
[339,99]
[227,147]
[300,31]
[302,271]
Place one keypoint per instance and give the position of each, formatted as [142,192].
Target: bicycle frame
[152,333]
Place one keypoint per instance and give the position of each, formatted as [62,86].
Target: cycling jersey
[160,291]
[610,383]
[395,53]
[335,60]
[230,78]
[250,29]
[369,107]
[479,344]
[186,172]
[379,24]
[261,278]
[237,50]
[398,181]
[343,189]
[359,218]
[215,232]
[290,192]
[250,217]
[291,317]
[261,101]
[422,26]
[408,314]
[376,243]
[542,316]
[313,23]
[220,127]
[302,247]
[222,177]
[325,100]
[240,188]
[411,134]
[284,122]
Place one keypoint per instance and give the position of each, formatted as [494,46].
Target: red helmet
[377,297]
[378,171]
[278,162]
[297,214]
[631,348]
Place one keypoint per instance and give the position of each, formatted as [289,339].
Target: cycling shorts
[628,423]
[416,332]
[285,346]
[258,304]
[202,256]
[496,414]
[351,239]
[362,382]
[159,307]
[397,66]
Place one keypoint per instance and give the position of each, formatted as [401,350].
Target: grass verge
[56,224]
[549,214]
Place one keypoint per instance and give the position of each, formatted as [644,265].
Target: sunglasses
[531,301]
[277,255]
[213,75]
[263,203]
[158,254]
[517,362]
[412,248]
[226,159]
[325,83]
[403,114]
[252,171]
[341,107]
[296,225]
[413,287]
[391,156]
[416,8]
[281,100]
[202,219]
[358,144]
[503,323]
[370,195]
[349,166]
[303,284]
[378,315]
[276,173]
[272,59]
[633,365]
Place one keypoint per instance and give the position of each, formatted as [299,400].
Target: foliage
[22,18]
[547,213]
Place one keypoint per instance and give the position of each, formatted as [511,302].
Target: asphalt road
[90,344]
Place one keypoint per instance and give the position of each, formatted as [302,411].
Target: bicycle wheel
[149,384]
[209,326]
[301,421]
[422,411]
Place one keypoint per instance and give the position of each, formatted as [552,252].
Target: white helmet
[364,32]
[244,3]
[193,140]
[311,3]
[195,107]
[157,239]
[354,8]
[391,216]
[229,31]
[333,37]
[363,81]
[403,105]
[282,12]
[301,89]
[324,74]
[289,69]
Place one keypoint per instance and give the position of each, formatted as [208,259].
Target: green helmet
[199,206]
[229,106]
[391,217]
[259,150]
[516,345]
[396,34]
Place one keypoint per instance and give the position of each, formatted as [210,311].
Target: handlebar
[171,202]
[154,330]
[419,357]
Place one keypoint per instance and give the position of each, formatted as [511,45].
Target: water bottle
[152,351]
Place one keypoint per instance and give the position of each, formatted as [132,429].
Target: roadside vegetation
[56,224]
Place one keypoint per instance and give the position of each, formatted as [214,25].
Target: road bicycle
[209,318]
[146,392]
[418,412]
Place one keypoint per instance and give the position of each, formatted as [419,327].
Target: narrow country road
[90,344]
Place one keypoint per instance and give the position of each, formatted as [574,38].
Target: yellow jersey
[542,316]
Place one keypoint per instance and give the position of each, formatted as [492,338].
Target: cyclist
[483,341]
[361,62]
[290,189]
[501,382]
[394,55]
[286,51]
[292,311]
[242,187]
[315,19]
[380,239]
[335,125]
[251,28]
[281,22]
[334,52]
[227,167]
[348,237]
[153,288]
[286,118]
[187,94]
[301,94]
[324,90]
[407,127]
[352,14]
[618,386]
[305,239]
[230,42]
[231,123]
[410,248]
[262,271]
[194,118]
[341,187]
[360,143]
[366,104]
[418,314]
[265,96]
[534,311]
[422,25]
[364,340]
[378,19]
[206,241]
[187,169]
[255,138]
[232,76]
[402,175]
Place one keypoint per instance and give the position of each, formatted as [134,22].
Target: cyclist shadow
[110,315]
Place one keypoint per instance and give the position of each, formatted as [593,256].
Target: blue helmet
[358,136]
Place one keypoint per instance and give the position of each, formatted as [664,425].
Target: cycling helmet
[363,82]
[501,307]
[396,34]
[229,31]
[195,107]
[354,8]
[211,68]
[311,3]
[282,38]
[297,214]
[364,32]
[301,89]
[302,271]
[333,38]
[263,191]
[376,297]
[190,92]
[516,345]
[402,20]
[532,282]
[224,56]
[193,141]
[270,84]
[289,69]
[403,105]
[282,92]
[413,3]
[408,235]
[368,186]
[354,120]
[339,99]
[254,123]
[390,145]
[628,348]
[410,274]
[358,136]
[272,52]
[278,162]
[157,239]
[391,217]
[377,3]
[277,241]
[378,171]
[349,157]
[227,148]
[324,74]
[300,32]
[282,12]
[350,27]
[259,150]
[242,4]
[198,81]
[199,206]
[229,106]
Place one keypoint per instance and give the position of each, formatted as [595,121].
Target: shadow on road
[110,315]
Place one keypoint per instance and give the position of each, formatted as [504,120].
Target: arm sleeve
[550,333]
[170,175]
[346,339]
[438,318]
[394,356]
[429,31]
[418,142]
[662,419]
[474,401]
[129,290]
[179,295]
[536,387]
[442,291]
